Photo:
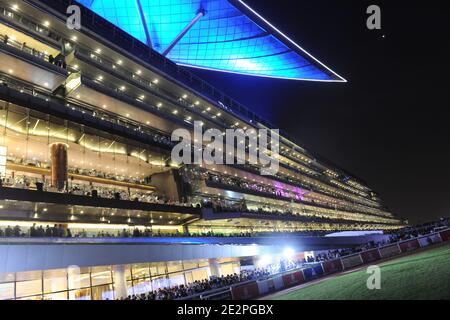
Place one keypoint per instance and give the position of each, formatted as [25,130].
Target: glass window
[28,275]
[127,272]
[176,279]
[190,265]
[226,269]
[158,268]
[6,291]
[79,278]
[141,271]
[203,263]
[38,297]
[28,288]
[159,282]
[55,280]
[174,266]
[236,267]
[189,277]
[142,286]
[101,275]
[103,292]
[82,294]
[200,274]
[7,277]
[56,296]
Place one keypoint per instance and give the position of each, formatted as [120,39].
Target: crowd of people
[198,287]
[56,231]
[250,185]
[218,205]
[60,231]
[22,181]
[396,236]
[23,46]
[299,195]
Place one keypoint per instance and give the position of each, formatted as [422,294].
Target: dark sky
[389,124]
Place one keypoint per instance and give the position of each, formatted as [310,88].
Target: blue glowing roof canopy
[222,35]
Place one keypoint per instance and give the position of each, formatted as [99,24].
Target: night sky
[388,125]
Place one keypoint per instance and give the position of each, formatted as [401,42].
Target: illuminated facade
[86,118]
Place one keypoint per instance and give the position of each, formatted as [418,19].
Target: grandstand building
[86,118]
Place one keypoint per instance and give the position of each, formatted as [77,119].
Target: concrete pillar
[58,156]
[214,267]
[120,282]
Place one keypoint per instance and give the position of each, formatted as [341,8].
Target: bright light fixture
[288,253]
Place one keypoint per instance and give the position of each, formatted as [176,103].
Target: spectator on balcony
[9,231]
[55,231]
[48,231]
[33,231]
[17,231]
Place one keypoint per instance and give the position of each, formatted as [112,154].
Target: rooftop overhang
[222,35]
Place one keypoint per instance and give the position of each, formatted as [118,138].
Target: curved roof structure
[222,35]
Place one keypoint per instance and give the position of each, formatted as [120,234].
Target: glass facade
[27,134]
[97,283]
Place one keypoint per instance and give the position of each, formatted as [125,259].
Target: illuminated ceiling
[222,35]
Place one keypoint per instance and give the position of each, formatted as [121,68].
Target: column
[120,282]
[214,267]
[58,156]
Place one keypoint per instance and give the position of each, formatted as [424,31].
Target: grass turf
[424,275]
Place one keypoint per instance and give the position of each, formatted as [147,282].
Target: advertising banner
[351,261]
[389,251]
[409,245]
[293,279]
[332,266]
[308,273]
[430,239]
[318,270]
[245,292]
[278,282]
[266,286]
[370,255]
[445,235]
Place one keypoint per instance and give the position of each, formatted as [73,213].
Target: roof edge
[245,8]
